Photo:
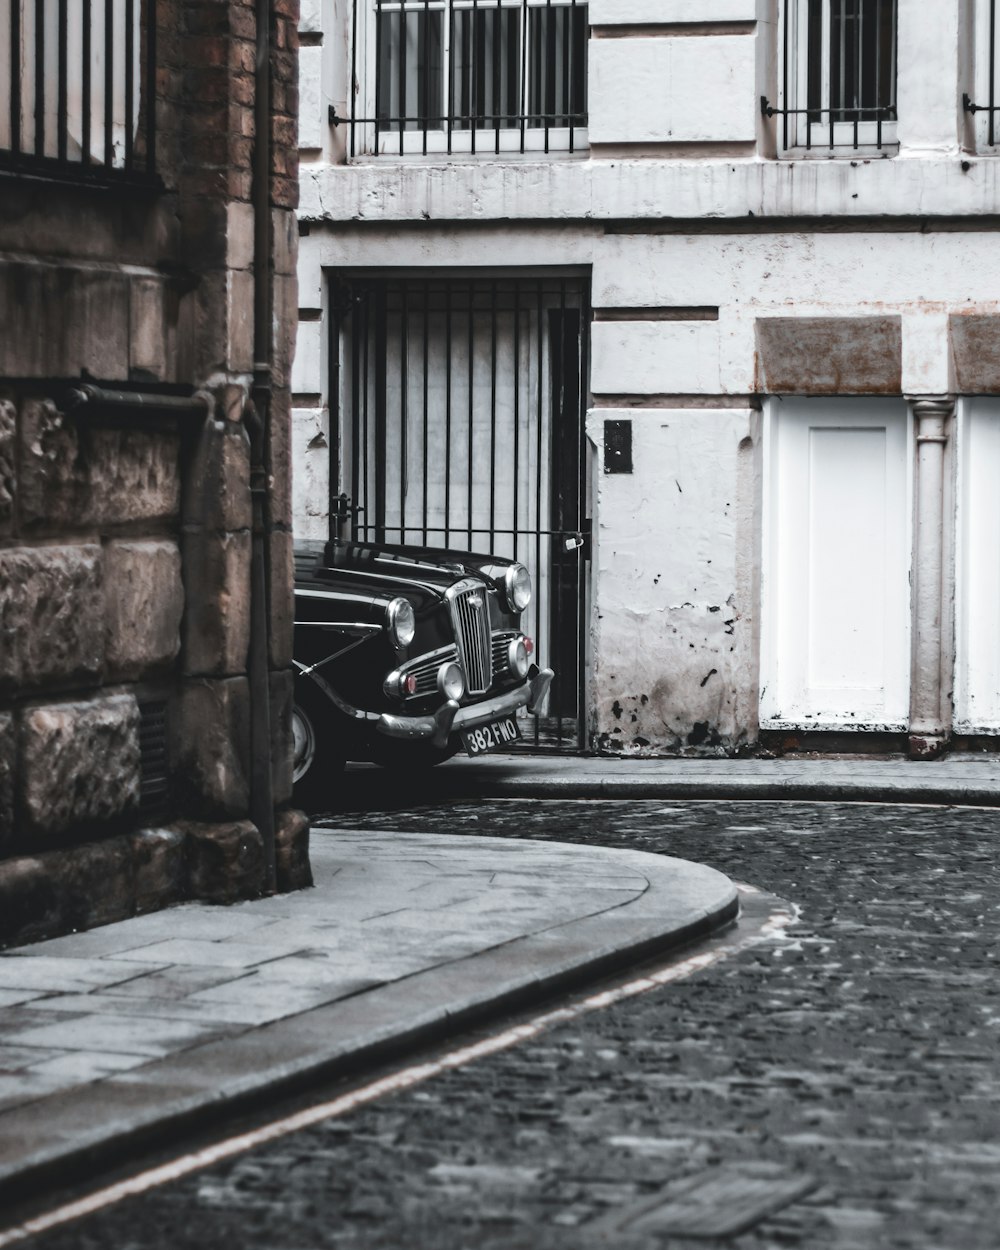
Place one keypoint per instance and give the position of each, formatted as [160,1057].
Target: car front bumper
[451,717]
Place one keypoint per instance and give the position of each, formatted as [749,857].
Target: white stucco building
[720,277]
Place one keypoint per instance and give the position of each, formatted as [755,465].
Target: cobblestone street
[861,1053]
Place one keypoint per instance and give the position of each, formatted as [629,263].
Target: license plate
[498,733]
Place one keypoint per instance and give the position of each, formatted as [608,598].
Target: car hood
[388,569]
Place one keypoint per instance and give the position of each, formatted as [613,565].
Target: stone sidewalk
[955,779]
[113,1038]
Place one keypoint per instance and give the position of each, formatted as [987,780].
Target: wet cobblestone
[864,1051]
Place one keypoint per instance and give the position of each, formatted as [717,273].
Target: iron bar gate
[462,404]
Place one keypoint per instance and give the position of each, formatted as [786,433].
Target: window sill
[864,152]
[815,723]
[468,145]
[82,178]
[560,155]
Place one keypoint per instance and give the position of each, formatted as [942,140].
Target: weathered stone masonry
[125,526]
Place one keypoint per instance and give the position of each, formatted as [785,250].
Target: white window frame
[794,95]
[980,94]
[464,142]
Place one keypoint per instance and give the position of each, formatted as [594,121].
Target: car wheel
[317,752]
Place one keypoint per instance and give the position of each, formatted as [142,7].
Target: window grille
[986,75]
[469,75]
[462,405]
[838,75]
[76,88]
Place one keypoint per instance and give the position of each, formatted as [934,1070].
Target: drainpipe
[257,421]
[126,405]
[929,723]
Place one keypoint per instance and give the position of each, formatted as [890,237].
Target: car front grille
[425,670]
[501,645]
[472,621]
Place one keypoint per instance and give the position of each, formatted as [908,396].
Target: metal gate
[462,404]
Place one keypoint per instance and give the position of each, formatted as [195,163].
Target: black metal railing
[991,107]
[838,69]
[458,422]
[459,68]
[77,87]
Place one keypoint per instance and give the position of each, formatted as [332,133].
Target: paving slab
[113,1039]
[959,778]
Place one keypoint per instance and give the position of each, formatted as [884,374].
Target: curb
[862,792]
[97,1125]
[582,778]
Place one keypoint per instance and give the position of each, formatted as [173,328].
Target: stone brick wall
[125,534]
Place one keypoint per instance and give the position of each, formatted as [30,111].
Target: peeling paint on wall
[670,657]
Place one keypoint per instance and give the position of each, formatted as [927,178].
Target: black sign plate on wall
[617,446]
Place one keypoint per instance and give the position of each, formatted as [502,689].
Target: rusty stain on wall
[830,355]
[975,344]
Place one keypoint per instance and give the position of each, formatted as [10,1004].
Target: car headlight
[517,587]
[450,681]
[400,685]
[400,622]
[517,657]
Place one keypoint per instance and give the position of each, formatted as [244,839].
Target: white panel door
[977,668]
[836,592]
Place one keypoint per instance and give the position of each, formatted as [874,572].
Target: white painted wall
[930,63]
[664,219]
[648,190]
[673,90]
[674,624]
[651,357]
[921,277]
[668,12]
[310,474]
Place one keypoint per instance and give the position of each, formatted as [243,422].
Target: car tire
[317,748]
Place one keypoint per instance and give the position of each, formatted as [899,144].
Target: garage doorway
[461,413]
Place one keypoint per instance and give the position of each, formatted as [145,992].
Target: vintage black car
[405,655]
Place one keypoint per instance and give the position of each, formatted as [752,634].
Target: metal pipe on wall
[257,421]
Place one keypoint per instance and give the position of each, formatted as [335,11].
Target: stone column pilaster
[930,711]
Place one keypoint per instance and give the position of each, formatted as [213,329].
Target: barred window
[838,76]
[76,81]
[470,75]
